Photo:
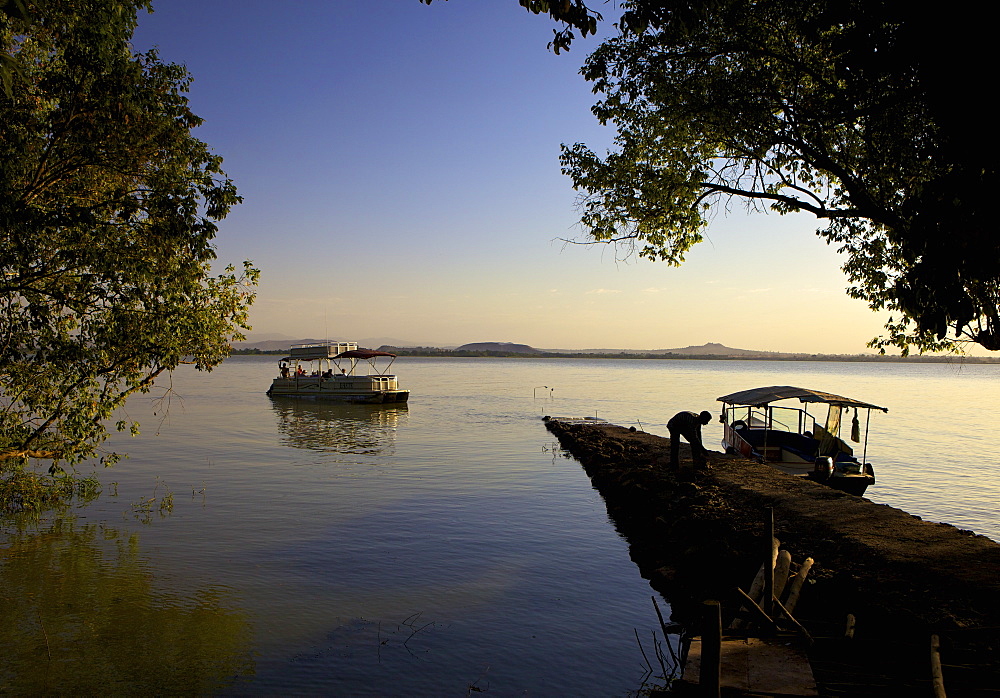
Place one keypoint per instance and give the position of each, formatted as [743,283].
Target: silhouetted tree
[108,208]
[856,111]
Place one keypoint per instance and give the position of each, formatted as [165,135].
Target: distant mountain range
[710,349]
[508,347]
[701,351]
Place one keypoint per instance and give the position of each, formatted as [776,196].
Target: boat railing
[325,344]
[349,381]
[321,349]
[781,426]
[788,419]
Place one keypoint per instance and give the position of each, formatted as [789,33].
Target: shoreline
[432,353]
[694,536]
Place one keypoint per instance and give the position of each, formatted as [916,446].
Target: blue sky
[399,166]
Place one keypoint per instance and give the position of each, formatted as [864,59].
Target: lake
[446,547]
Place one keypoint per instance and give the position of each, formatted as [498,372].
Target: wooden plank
[757,665]
[757,612]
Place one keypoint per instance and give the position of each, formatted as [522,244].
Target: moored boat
[793,441]
[330,371]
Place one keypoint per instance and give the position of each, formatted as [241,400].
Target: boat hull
[851,484]
[318,391]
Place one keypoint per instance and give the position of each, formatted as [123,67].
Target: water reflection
[81,615]
[339,427]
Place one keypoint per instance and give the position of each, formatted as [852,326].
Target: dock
[754,665]
[894,580]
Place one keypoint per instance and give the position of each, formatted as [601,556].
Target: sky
[399,169]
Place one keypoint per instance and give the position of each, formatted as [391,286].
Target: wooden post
[797,582]
[781,569]
[757,588]
[937,677]
[768,597]
[711,650]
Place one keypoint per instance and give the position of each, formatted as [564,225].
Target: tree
[852,110]
[10,9]
[828,107]
[108,208]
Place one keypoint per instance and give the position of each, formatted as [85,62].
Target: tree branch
[798,204]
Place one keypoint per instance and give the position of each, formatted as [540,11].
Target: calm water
[424,550]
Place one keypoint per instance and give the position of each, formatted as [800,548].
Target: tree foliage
[9,68]
[834,107]
[853,110]
[108,208]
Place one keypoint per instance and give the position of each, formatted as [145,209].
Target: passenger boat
[791,439]
[330,371]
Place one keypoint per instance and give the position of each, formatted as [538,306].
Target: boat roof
[362,354]
[318,350]
[757,397]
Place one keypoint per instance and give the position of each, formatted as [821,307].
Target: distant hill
[713,349]
[508,347]
[709,349]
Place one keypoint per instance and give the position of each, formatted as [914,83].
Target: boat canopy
[362,354]
[318,350]
[758,397]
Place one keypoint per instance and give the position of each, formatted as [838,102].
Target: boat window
[785,419]
[736,414]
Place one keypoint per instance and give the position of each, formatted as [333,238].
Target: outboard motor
[823,468]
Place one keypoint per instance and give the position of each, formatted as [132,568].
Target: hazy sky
[399,168]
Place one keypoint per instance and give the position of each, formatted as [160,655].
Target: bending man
[688,425]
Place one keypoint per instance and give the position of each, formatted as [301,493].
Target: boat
[792,440]
[330,371]
[575,420]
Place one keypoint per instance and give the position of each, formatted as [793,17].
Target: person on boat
[688,425]
[328,373]
[299,371]
[283,366]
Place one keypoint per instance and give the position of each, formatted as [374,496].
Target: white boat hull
[338,390]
